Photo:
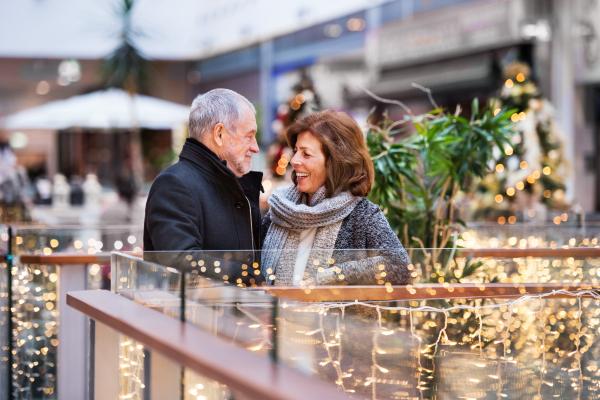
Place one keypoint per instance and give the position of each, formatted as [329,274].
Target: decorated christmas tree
[529,180]
[303,100]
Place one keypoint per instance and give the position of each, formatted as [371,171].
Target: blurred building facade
[456,48]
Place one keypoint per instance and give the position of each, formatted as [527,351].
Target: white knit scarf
[289,216]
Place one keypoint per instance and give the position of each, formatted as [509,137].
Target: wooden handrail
[576,252]
[579,252]
[254,376]
[430,291]
[65,258]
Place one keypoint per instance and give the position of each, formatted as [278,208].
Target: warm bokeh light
[501,220]
[557,220]
[509,83]
[514,117]
[499,198]
[523,164]
[536,174]
[510,191]
[496,111]
[499,168]
[547,194]
[356,24]
[42,88]
[547,171]
[280,170]
[531,179]
[520,77]
[531,213]
[520,185]
[508,150]
[512,219]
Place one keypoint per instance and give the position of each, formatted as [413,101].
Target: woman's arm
[264,226]
[385,260]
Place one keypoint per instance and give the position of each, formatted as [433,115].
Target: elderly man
[209,199]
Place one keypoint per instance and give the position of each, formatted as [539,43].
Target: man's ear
[218,133]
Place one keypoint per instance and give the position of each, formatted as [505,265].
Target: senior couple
[209,200]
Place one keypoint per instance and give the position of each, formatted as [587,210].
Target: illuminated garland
[35,327]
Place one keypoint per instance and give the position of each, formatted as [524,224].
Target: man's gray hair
[218,105]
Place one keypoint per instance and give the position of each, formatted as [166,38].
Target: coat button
[238,204]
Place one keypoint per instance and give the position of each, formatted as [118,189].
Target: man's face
[239,147]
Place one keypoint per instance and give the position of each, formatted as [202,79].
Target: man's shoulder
[181,171]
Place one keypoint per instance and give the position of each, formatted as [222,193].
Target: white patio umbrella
[112,108]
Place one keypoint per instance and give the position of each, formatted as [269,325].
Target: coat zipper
[251,228]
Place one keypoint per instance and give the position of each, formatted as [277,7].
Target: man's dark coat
[199,204]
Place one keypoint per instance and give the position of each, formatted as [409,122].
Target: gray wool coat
[364,242]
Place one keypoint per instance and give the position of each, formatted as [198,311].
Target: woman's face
[309,163]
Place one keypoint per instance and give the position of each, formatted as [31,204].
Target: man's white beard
[239,167]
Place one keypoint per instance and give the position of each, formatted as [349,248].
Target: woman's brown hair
[347,160]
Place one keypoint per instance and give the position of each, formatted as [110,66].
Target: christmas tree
[303,100]
[529,179]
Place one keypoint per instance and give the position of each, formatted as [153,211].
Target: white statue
[61,192]
[92,190]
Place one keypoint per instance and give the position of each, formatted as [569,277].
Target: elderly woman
[321,230]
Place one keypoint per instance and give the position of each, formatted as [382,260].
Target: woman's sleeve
[386,260]
[264,226]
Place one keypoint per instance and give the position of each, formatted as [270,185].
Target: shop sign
[450,31]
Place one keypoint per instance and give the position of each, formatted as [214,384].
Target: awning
[105,109]
[471,72]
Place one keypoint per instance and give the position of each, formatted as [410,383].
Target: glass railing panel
[242,317]
[153,285]
[476,347]
[379,267]
[211,301]
[47,239]
[448,266]
[467,348]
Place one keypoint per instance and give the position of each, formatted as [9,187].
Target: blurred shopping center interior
[269,51]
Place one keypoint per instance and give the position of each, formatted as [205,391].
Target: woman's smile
[309,164]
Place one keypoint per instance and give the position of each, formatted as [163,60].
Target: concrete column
[104,375]
[266,92]
[165,377]
[72,335]
[563,80]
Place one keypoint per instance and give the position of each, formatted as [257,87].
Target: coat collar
[197,153]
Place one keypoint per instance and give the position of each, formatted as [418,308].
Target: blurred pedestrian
[13,184]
